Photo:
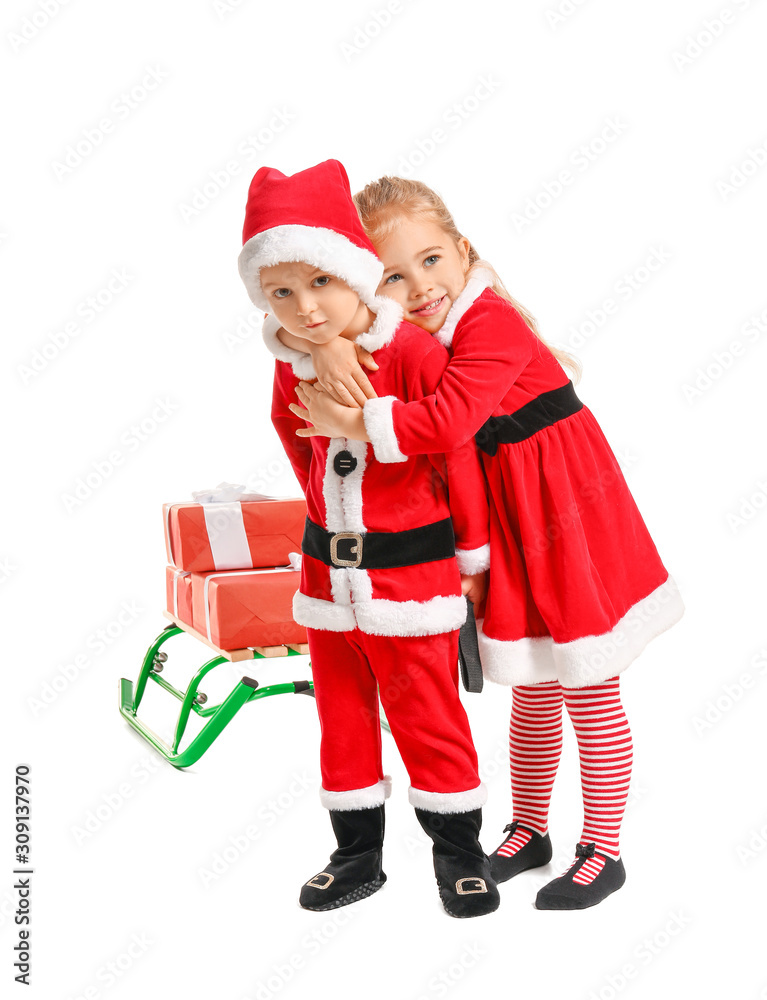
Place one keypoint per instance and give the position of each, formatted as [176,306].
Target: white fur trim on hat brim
[379,424]
[448,802]
[322,248]
[479,280]
[473,561]
[357,798]
[586,661]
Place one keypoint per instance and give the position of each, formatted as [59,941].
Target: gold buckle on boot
[480,882]
[316,885]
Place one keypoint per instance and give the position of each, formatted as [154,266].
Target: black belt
[543,411]
[380,549]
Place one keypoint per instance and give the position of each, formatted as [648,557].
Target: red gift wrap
[244,608]
[246,534]
[178,593]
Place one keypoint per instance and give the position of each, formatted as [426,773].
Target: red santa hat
[309,217]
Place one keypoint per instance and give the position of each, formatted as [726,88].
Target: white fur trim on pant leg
[448,802]
[517,661]
[596,658]
[473,561]
[380,427]
[315,613]
[440,614]
[300,362]
[357,798]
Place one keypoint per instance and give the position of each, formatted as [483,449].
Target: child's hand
[329,418]
[337,364]
[474,587]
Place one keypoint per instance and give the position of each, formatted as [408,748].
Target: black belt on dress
[544,410]
[380,549]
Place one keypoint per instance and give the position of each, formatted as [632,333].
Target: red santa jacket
[423,599]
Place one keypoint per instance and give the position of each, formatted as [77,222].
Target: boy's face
[312,304]
[424,270]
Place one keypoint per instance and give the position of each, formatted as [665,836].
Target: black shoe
[466,884]
[564,894]
[536,852]
[354,870]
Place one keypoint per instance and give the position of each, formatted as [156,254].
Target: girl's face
[424,270]
[312,304]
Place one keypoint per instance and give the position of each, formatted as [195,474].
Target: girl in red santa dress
[576,585]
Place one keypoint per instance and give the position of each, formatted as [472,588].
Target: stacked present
[233,558]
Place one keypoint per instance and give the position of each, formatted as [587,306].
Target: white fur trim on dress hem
[448,802]
[377,414]
[357,798]
[586,661]
[324,248]
[380,617]
[473,561]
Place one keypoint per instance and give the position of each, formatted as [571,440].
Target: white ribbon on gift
[222,510]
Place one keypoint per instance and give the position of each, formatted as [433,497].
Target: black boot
[354,869]
[466,885]
[536,852]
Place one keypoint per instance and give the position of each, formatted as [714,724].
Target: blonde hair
[382,202]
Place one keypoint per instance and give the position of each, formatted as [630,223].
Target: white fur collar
[384,326]
[479,280]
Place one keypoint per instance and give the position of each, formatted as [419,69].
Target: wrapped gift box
[178,592]
[246,607]
[224,534]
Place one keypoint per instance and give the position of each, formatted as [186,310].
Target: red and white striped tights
[605,748]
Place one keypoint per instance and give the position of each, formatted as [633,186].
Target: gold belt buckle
[355,550]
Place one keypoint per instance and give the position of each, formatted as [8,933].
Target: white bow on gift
[226,493]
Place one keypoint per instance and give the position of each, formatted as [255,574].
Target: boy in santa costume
[384,550]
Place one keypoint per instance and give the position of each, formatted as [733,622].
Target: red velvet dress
[576,586]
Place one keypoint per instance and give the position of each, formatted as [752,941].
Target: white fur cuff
[357,798]
[448,802]
[472,561]
[301,363]
[380,427]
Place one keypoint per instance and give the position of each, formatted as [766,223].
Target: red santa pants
[418,681]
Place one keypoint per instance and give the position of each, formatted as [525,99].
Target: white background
[121,841]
